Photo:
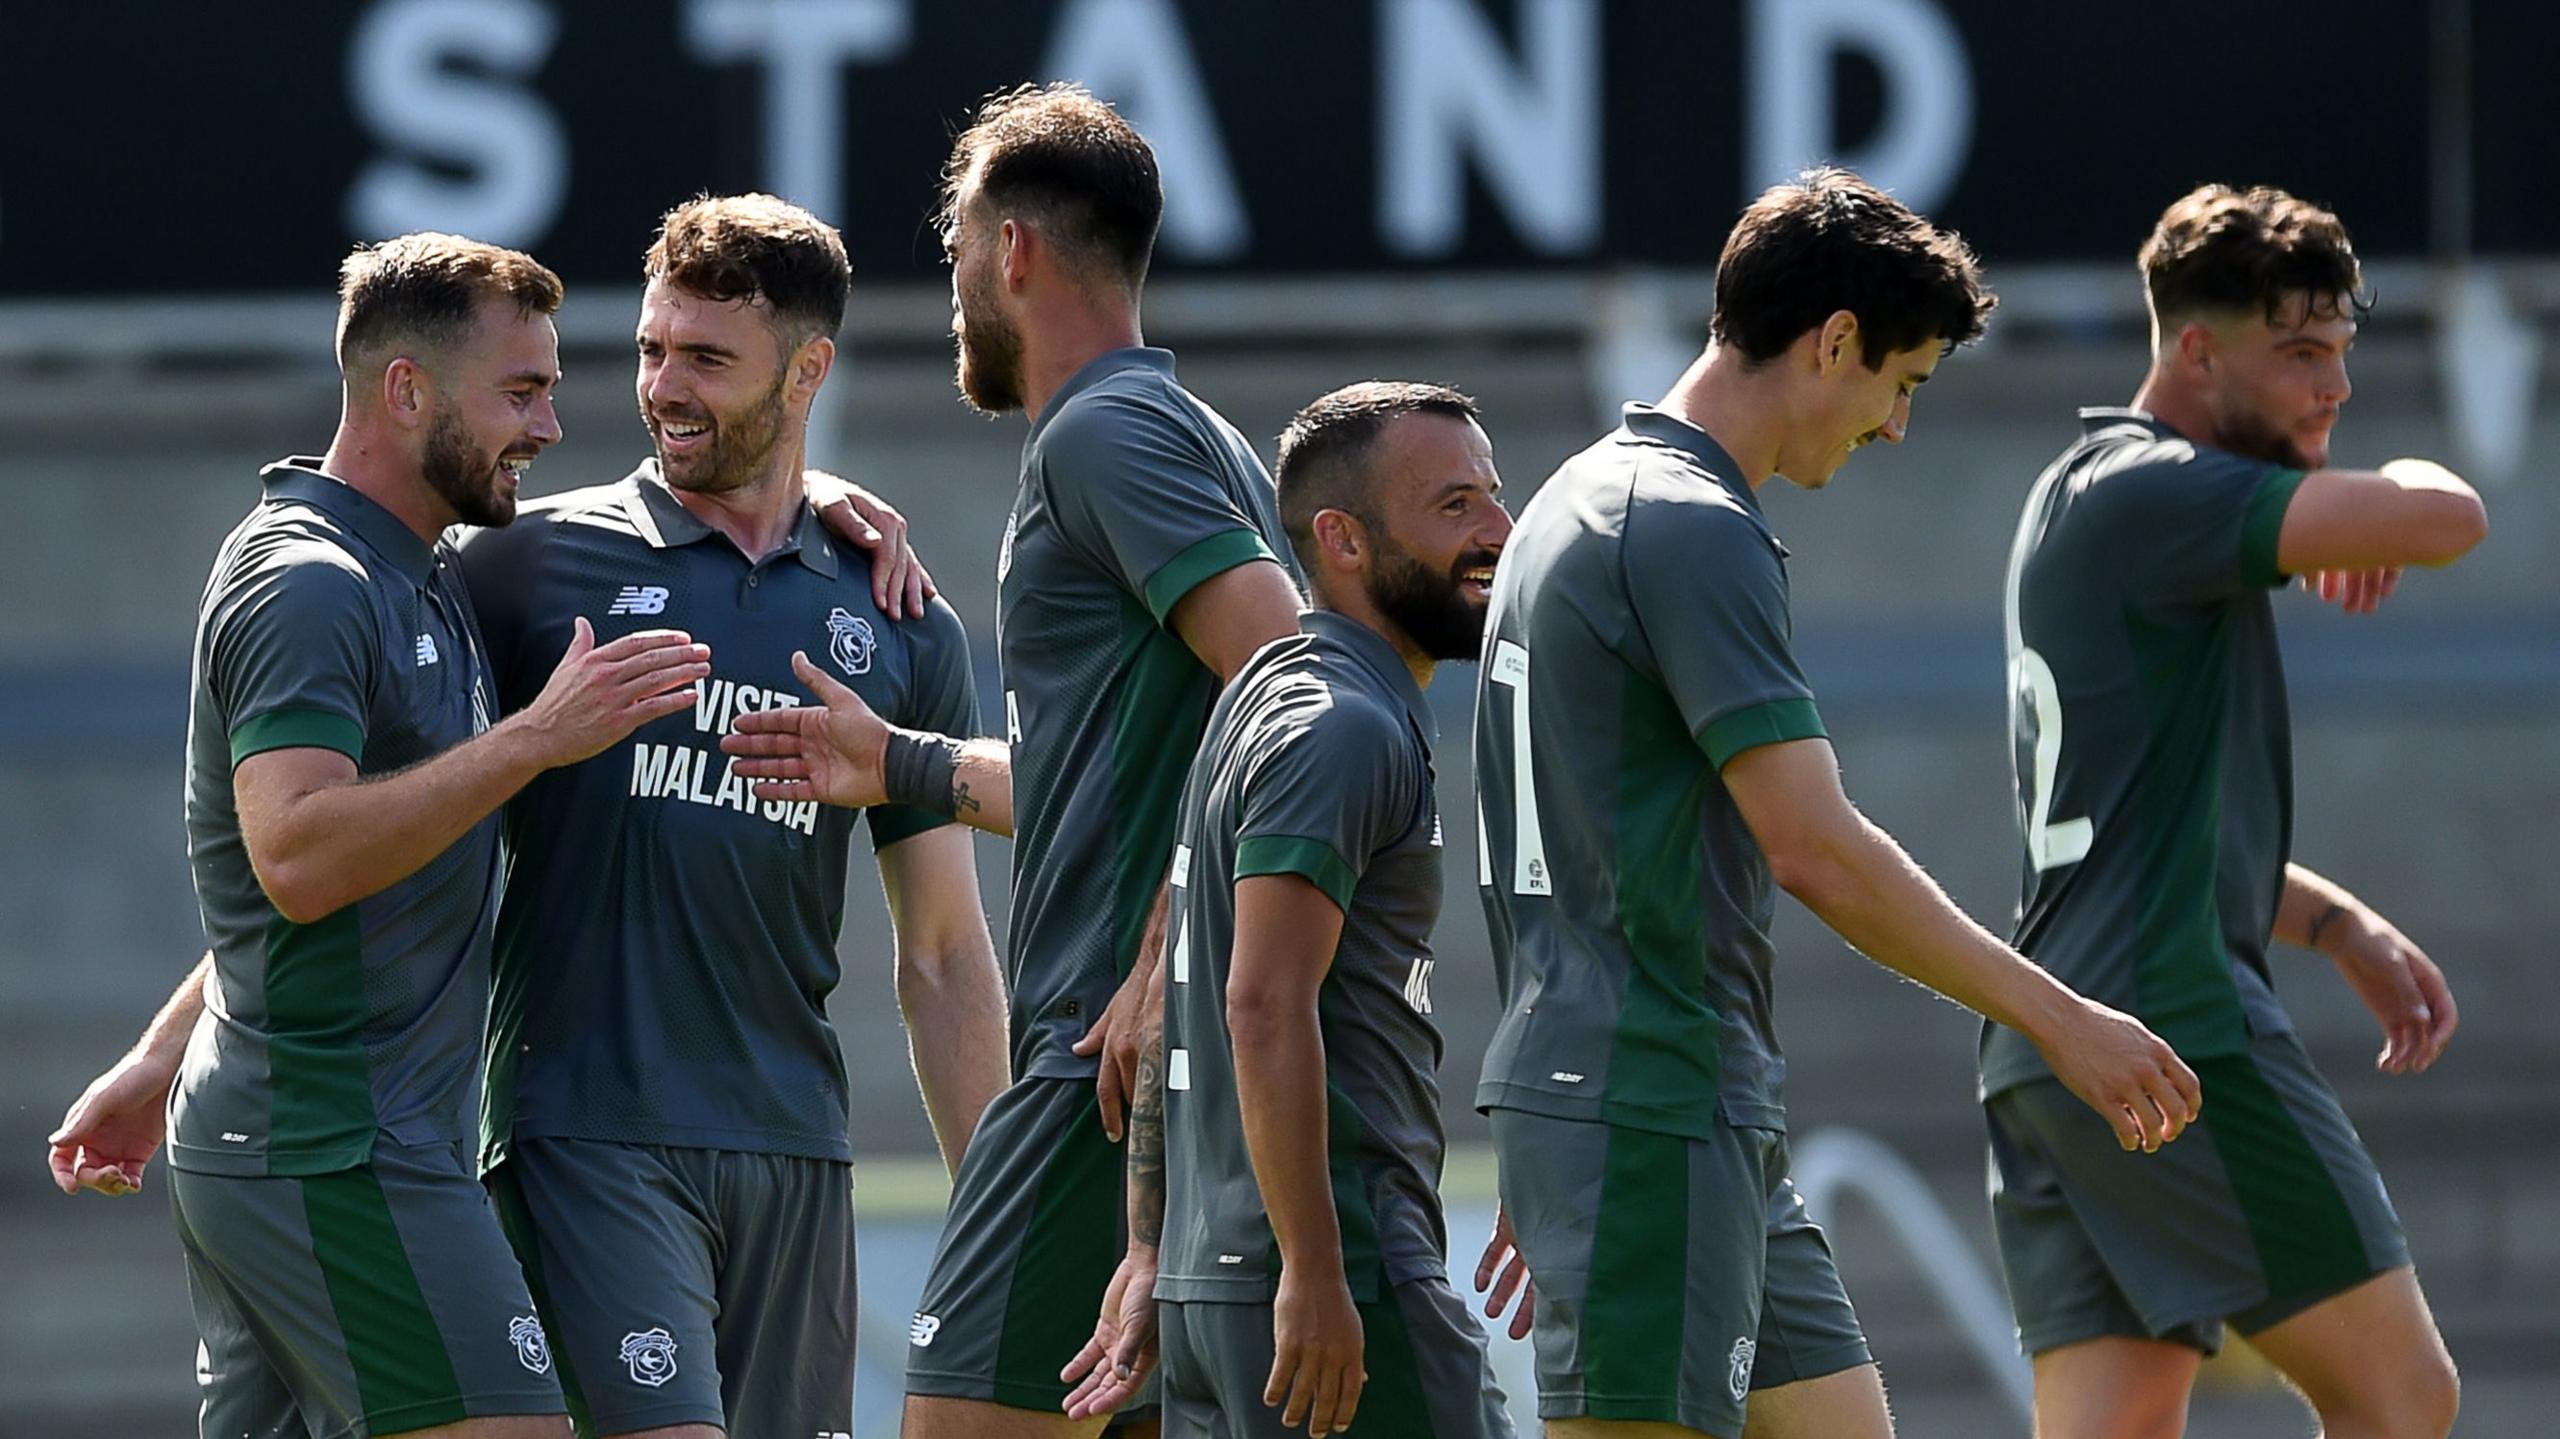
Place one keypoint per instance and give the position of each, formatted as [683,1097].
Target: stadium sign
[1359,135]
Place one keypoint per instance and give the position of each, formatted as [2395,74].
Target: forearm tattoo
[1146,1144]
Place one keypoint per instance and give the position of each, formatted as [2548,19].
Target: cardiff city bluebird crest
[525,1332]
[850,640]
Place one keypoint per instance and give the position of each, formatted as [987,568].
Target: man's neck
[370,465]
[1072,336]
[759,516]
[1357,609]
[2177,406]
[1741,409]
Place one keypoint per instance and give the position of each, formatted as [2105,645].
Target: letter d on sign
[1919,146]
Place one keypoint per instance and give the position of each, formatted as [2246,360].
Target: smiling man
[667,1103]
[2154,774]
[343,778]
[1649,760]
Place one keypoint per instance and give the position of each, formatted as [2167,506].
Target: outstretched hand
[2404,989]
[2129,1075]
[111,1131]
[832,751]
[1502,1273]
[1109,1369]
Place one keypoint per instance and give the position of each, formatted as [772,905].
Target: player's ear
[2196,346]
[1837,341]
[1015,244]
[407,392]
[1340,538]
[810,365]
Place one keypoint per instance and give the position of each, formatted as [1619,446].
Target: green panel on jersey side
[322,1117]
[2306,1237]
[1364,1257]
[1775,722]
[297,729]
[510,998]
[1215,555]
[515,1218]
[404,1376]
[1667,1058]
[1635,1301]
[2183,981]
[1155,730]
[2264,525]
[1312,860]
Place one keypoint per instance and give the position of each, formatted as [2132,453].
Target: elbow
[1811,871]
[1257,1017]
[2455,524]
[298,891]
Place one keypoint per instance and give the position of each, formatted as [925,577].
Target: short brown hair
[1058,151]
[2222,249]
[751,247]
[1828,241]
[422,290]
[1321,452]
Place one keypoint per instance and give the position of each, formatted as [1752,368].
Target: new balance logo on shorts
[920,1333]
[651,1356]
[427,651]
[639,600]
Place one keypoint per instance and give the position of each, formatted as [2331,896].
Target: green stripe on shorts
[1635,1302]
[404,1377]
[1392,1401]
[1064,1266]
[2306,1236]
[515,1217]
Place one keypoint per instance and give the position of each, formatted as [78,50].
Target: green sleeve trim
[2265,525]
[297,729]
[1312,860]
[1215,555]
[1771,722]
[891,823]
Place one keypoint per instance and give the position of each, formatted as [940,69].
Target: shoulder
[1682,519]
[297,551]
[1131,410]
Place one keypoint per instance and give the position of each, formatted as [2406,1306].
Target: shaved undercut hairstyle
[1069,162]
[418,294]
[1324,453]
[758,249]
[2224,251]
[1828,241]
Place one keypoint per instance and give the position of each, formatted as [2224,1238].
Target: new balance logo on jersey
[639,600]
[1417,986]
[922,1328]
[427,651]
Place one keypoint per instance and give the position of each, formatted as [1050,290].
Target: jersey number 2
[2049,845]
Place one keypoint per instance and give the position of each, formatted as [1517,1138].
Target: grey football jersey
[1133,492]
[1317,763]
[328,624]
[1639,639]
[2154,756]
[666,941]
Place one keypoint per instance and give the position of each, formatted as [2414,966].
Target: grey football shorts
[1674,1275]
[374,1300]
[689,1286]
[1429,1374]
[2266,1206]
